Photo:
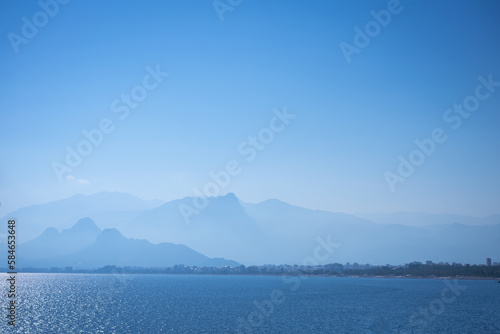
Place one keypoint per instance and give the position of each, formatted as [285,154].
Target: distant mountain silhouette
[52,243]
[86,246]
[366,242]
[268,232]
[427,219]
[222,227]
[107,208]
[277,232]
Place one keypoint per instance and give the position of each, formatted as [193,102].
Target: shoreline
[468,278]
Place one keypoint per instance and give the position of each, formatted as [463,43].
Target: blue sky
[353,119]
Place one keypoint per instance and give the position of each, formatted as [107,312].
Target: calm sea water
[72,303]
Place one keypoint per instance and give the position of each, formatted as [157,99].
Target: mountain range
[427,219]
[270,232]
[108,208]
[85,246]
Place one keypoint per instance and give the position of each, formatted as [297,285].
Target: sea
[107,303]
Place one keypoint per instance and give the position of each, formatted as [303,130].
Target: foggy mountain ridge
[276,232]
[87,246]
[428,219]
[104,208]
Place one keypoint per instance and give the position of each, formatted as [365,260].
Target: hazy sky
[360,101]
